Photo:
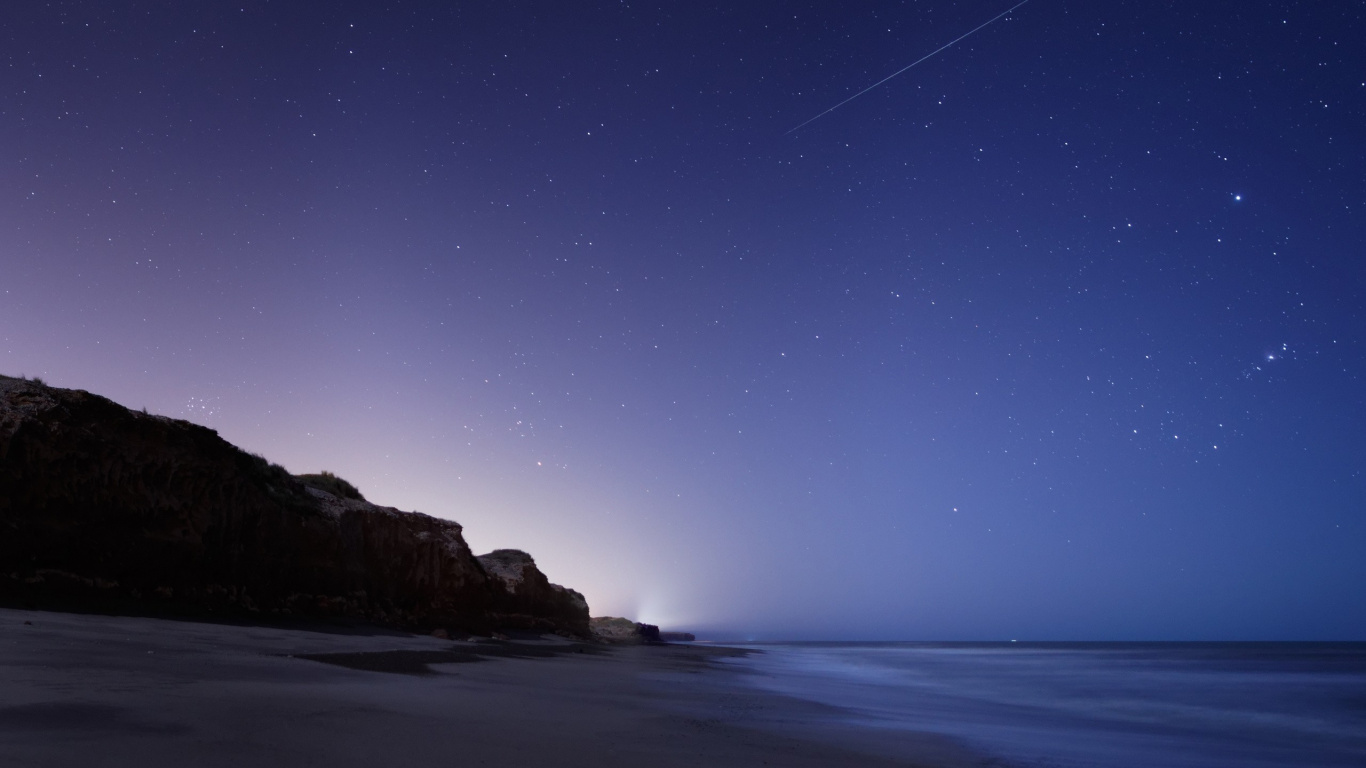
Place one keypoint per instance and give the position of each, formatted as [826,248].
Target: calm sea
[1098,705]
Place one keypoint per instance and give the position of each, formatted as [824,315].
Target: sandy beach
[81,690]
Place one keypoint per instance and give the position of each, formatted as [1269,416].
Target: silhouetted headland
[107,509]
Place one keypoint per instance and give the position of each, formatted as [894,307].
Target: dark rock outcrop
[619,631]
[530,601]
[105,508]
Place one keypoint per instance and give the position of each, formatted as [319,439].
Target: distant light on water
[655,611]
[666,613]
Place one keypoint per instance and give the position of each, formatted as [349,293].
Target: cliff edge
[532,602]
[104,508]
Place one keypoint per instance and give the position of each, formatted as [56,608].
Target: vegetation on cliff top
[326,481]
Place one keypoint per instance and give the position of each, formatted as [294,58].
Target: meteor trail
[949,44]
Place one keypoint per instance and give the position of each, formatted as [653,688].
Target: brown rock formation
[109,509]
[531,601]
[619,631]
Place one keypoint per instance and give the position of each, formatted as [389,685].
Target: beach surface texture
[83,690]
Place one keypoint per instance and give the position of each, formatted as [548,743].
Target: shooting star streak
[929,55]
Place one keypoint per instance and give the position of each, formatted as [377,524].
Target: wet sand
[84,690]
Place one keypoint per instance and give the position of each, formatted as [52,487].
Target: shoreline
[112,691]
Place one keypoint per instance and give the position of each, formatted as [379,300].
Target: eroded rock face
[619,631]
[106,508]
[530,601]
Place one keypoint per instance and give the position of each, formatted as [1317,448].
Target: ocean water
[1095,705]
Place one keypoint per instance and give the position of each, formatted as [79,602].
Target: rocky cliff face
[529,595]
[107,508]
[615,630]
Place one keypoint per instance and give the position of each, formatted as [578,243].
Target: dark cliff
[530,594]
[619,631]
[110,509]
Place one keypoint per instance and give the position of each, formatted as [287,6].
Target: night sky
[1058,334]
